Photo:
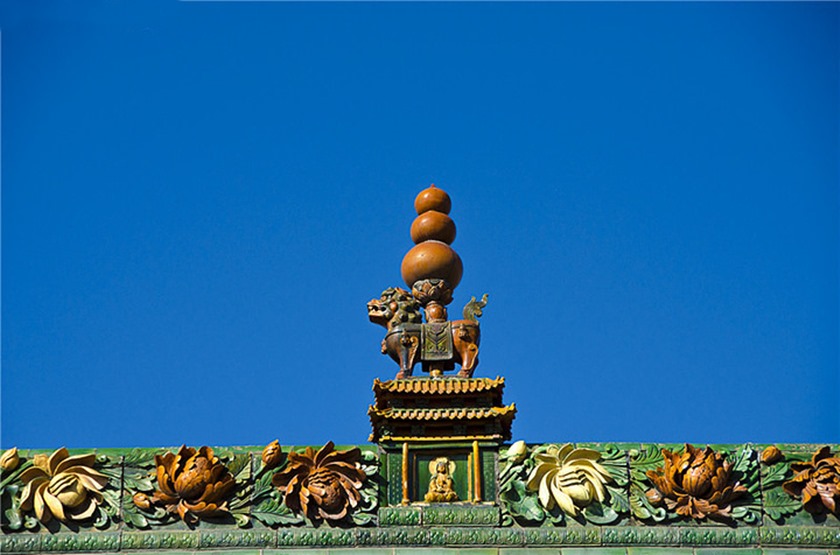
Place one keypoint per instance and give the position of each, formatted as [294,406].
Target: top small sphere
[432,199]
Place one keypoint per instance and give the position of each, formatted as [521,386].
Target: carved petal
[33,473]
[41,510]
[54,460]
[827,496]
[80,460]
[28,495]
[303,500]
[562,452]
[84,511]
[537,474]
[185,514]
[563,500]
[91,479]
[164,498]
[165,484]
[323,452]
[587,454]
[349,456]
[823,453]
[546,499]
[54,505]
[333,516]
[349,471]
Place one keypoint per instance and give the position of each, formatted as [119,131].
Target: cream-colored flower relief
[61,486]
[568,477]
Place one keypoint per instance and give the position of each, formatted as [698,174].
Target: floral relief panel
[58,490]
[562,484]
[695,484]
[547,494]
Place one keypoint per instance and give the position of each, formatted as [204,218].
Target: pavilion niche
[439,433]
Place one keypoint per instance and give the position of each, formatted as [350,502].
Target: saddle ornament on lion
[432,269]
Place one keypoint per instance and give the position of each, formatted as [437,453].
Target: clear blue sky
[199,198]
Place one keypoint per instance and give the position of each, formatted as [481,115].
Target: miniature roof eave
[442,414]
[440,386]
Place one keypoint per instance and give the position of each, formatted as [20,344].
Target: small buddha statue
[441,485]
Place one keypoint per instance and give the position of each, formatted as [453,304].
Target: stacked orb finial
[432,268]
[419,329]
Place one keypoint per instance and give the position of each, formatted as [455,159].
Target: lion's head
[395,306]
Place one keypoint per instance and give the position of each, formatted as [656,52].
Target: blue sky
[199,198]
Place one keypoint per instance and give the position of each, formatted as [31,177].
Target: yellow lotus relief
[61,486]
[569,478]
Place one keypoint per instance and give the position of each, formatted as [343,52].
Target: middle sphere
[434,226]
[432,259]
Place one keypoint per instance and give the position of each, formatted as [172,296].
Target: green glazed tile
[88,541]
[402,535]
[400,516]
[478,551]
[20,543]
[562,536]
[236,537]
[641,535]
[728,551]
[532,551]
[658,551]
[806,536]
[295,552]
[230,552]
[594,551]
[719,536]
[774,551]
[159,540]
[459,515]
[362,551]
[426,551]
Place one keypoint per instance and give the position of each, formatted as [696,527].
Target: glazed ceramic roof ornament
[434,407]
[438,476]
[432,270]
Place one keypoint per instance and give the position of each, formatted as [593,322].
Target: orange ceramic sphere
[432,199]
[433,225]
[432,259]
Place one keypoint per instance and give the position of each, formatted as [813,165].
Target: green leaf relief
[521,504]
[641,507]
[776,474]
[242,520]
[597,513]
[618,499]
[614,461]
[778,504]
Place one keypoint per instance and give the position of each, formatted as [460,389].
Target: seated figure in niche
[441,485]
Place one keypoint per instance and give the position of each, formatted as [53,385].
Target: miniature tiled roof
[443,413]
[440,386]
